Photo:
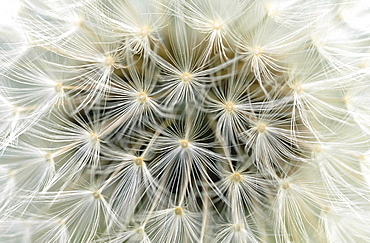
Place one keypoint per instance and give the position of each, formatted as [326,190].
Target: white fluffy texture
[185,121]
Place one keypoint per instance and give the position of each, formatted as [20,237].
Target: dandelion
[185,121]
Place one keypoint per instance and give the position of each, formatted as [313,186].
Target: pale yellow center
[138,161]
[108,61]
[257,51]
[298,88]
[144,32]
[48,157]
[285,185]
[178,211]
[236,177]
[142,97]
[229,107]
[261,128]
[216,25]
[62,222]
[96,194]
[186,77]
[140,230]
[94,137]
[58,87]
[237,227]
[184,143]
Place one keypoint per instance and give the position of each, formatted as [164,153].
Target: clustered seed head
[214,121]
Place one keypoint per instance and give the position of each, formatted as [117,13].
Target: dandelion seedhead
[185,121]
